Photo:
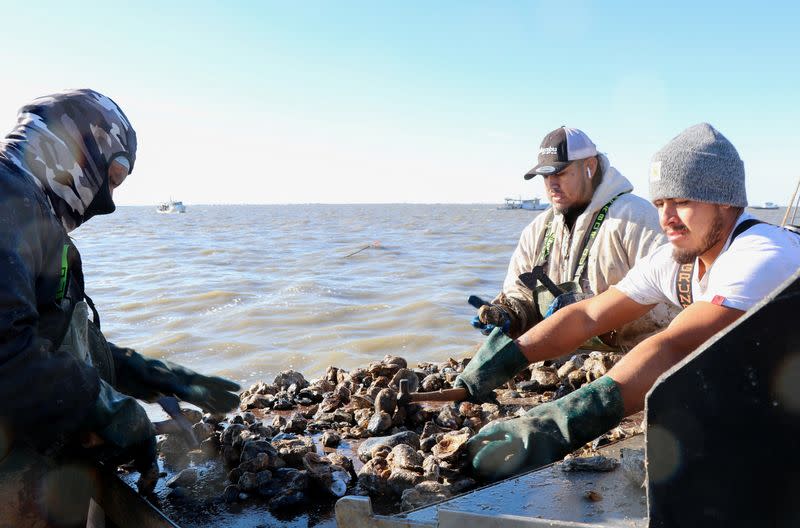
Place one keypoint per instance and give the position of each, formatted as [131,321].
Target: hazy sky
[339,101]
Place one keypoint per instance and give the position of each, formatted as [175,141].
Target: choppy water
[248,291]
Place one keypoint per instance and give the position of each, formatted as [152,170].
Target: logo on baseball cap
[561,147]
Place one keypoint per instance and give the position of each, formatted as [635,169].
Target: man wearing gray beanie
[720,262]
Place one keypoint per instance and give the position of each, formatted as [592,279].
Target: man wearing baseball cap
[594,232]
[720,262]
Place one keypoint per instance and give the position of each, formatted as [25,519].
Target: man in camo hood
[65,391]
[66,142]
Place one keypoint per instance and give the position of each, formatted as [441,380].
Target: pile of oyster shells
[412,454]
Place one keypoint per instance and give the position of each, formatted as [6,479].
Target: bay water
[246,291]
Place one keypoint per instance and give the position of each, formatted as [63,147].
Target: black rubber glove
[126,432]
[547,432]
[148,379]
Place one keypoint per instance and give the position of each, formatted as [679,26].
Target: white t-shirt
[758,261]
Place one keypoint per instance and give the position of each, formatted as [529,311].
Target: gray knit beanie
[699,164]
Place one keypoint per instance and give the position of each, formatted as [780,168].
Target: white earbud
[588,173]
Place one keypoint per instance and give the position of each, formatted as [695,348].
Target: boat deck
[545,497]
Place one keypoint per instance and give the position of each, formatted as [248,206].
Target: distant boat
[171,206]
[765,205]
[534,204]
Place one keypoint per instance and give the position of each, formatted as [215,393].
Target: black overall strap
[683,280]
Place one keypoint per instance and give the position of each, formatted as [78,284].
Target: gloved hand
[148,379]
[497,361]
[548,431]
[565,299]
[126,434]
[491,316]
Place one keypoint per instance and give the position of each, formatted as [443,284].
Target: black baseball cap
[559,148]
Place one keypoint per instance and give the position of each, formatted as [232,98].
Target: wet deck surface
[553,494]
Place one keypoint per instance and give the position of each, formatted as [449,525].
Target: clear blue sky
[273,102]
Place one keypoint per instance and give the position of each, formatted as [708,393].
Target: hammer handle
[457,394]
[539,273]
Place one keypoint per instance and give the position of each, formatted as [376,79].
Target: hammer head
[404,395]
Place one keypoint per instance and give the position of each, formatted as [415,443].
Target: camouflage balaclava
[66,143]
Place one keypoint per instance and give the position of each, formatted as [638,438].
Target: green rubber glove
[127,434]
[548,431]
[497,361]
[148,379]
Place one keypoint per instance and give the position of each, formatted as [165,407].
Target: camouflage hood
[66,142]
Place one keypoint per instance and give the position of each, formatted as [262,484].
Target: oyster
[338,459]
[405,374]
[292,450]
[379,423]
[287,378]
[386,401]
[292,489]
[406,457]
[362,401]
[401,479]
[330,439]
[333,479]
[432,382]
[374,476]
[449,418]
[405,437]
[295,424]
[426,492]
[389,359]
[231,433]
[430,468]
[430,429]
[592,463]
[633,465]
[451,445]
[572,364]
[381,369]
[546,377]
[252,448]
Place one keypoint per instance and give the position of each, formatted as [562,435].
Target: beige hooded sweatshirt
[629,232]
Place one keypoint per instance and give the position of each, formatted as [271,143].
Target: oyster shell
[374,476]
[405,374]
[449,418]
[389,359]
[386,401]
[287,378]
[451,445]
[333,479]
[405,437]
[379,423]
[591,463]
[401,479]
[406,457]
[546,377]
[330,439]
[424,493]
[432,382]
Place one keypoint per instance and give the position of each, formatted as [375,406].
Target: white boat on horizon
[532,204]
[765,205]
[172,206]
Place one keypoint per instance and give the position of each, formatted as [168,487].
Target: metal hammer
[445,395]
